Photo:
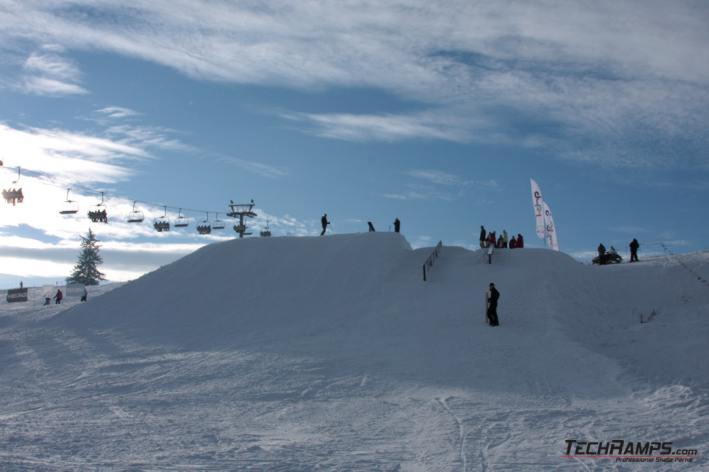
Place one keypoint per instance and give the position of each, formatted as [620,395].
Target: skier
[371,227]
[500,242]
[634,245]
[492,296]
[324,222]
[505,238]
[520,241]
[397,225]
[58,297]
[601,254]
[491,239]
[483,236]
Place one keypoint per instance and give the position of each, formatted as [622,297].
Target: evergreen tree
[86,271]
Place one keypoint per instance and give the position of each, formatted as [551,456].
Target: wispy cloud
[254,167]
[148,137]
[616,83]
[47,73]
[117,112]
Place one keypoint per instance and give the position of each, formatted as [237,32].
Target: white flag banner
[552,240]
[537,204]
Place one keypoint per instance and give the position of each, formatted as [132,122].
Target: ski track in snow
[353,391]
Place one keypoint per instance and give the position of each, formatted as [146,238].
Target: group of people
[491,239]
[59,296]
[13,196]
[324,222]
[606,256]
[98,216]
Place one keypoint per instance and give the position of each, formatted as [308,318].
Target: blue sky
[435,112]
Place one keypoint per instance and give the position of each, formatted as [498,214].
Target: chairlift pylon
[98,213]
[162,224]
[181,221]
[70,207]
[135,216]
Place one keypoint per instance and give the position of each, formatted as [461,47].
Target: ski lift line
[84,189]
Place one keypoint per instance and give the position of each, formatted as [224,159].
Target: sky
[437,113]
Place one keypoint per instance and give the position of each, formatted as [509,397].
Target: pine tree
[86,271]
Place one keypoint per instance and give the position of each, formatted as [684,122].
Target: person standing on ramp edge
[492,296]
[324,222]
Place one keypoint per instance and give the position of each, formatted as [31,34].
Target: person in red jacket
[58,297]
[513,243]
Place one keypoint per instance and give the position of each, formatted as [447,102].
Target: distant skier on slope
[324,222]
[601,254]
[483,236]
[520,241]
[371,227]
[505,239]
[397,225]
[492,297]
[58,297]
[634,246]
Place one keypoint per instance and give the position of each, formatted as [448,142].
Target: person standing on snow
[324,223]
[58,297]
[85,295]
[520,241]
[634,245]
[601,254]
[505,238]
[371,227]
[492,297]
[397,225]
[513,243]
[483,236]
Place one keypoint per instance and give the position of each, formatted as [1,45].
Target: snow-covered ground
[331,353]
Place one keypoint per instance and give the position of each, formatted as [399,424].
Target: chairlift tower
[241,210]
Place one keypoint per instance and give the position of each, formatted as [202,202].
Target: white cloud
[629,79]
[258,168]
[48,73]
[117,112]
[435,176]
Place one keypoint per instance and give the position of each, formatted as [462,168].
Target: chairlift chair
[14,195]
[266,232]
[204,227]
[135,216]
[181,221]
[98,214]
[162,224]
[218,224]
[70,207]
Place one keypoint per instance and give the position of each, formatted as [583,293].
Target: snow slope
[332,353]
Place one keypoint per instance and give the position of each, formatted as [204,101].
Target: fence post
[424,271]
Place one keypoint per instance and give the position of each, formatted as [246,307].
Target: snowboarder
[634,245]
[371,227]
[520,241]
[601,254]
[397,225]
[324,222]
[492,296]
[483,236]
[58,297]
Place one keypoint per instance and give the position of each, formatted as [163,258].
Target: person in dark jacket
[483,236]
[58,297]
[397,225]
[492,297]
[371,227]
[513,243]
[634,245]
[601,254]
[324,222]
[520,241]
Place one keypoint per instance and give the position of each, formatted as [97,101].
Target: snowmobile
[608,258]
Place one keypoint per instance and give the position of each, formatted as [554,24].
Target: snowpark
[332,353]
